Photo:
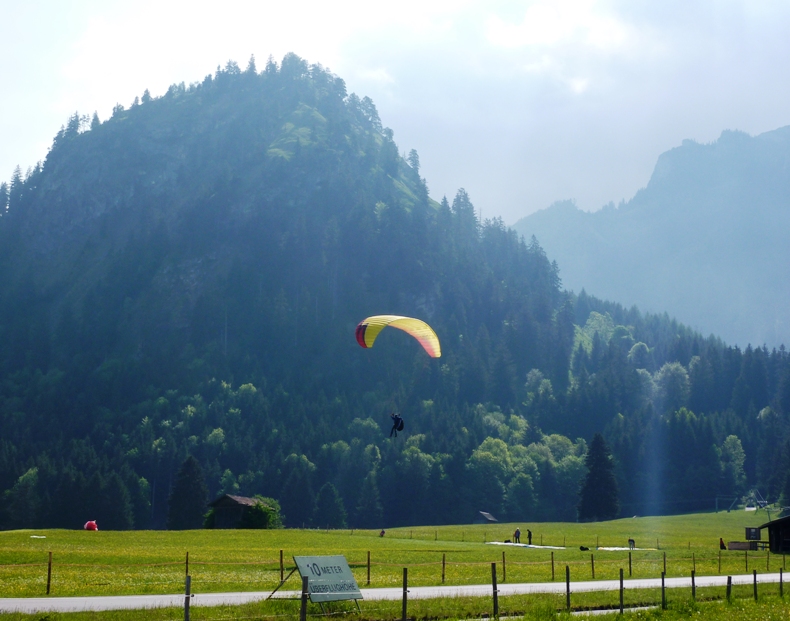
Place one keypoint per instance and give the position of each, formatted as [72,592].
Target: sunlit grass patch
[147,562]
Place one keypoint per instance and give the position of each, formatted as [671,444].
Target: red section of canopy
[360,332]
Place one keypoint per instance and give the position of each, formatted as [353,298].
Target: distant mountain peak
[702,240]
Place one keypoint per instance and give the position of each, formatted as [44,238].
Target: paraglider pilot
[397,424]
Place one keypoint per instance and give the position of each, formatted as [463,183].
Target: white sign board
[329,578]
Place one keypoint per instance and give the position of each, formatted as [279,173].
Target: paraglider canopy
[91,525]
[369,329]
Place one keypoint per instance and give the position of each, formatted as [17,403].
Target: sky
[520,103]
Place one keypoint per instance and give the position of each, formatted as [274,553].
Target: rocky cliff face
[703,241]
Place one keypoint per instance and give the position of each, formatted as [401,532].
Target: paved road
[119,602]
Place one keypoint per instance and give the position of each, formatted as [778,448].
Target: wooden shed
[229,509]
[778,535]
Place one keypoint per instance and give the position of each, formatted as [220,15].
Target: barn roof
[229,499]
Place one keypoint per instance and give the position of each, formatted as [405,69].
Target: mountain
[704,241]
[185,278]
[183,281]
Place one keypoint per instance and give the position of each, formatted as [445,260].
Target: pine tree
[369,510]
[297,498]
[414,161]
[15,189]
[188,497]
[22,503]
[598,497]
[3,197]
[116,505]
[329,509]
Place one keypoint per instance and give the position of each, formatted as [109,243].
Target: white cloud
[522,102]
[549,23]
[380,75]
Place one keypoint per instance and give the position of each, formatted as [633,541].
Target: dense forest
[184,279]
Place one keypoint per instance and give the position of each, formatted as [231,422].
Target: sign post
[329,578]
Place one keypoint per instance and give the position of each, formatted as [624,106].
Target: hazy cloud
[521,103]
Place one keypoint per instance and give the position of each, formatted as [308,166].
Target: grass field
[139,562]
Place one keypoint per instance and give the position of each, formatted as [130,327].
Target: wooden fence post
[49,572]
[729,588]
[186,565]
[629,565]
[405,593]
[719,560]
[496,591]
[693,562]
[368,567]
[504,568]
[746,558]
[444,562]
[781,584]
[552,566]
[665,562]
[567,587]
[187,596]
[592,565]
[282,567]
[621,590]
[755,584]
[693,584]
[663,593]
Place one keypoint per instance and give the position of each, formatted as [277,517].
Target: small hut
[778,535]
[229,510]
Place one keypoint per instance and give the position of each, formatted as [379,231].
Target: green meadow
[141,562]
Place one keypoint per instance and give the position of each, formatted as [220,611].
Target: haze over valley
[705,240]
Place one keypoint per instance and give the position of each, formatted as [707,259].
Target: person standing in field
[517,536]
[529,536]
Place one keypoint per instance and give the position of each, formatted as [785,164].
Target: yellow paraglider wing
[369,329]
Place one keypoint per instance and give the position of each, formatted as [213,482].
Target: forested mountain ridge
[703,241]
[185,278]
